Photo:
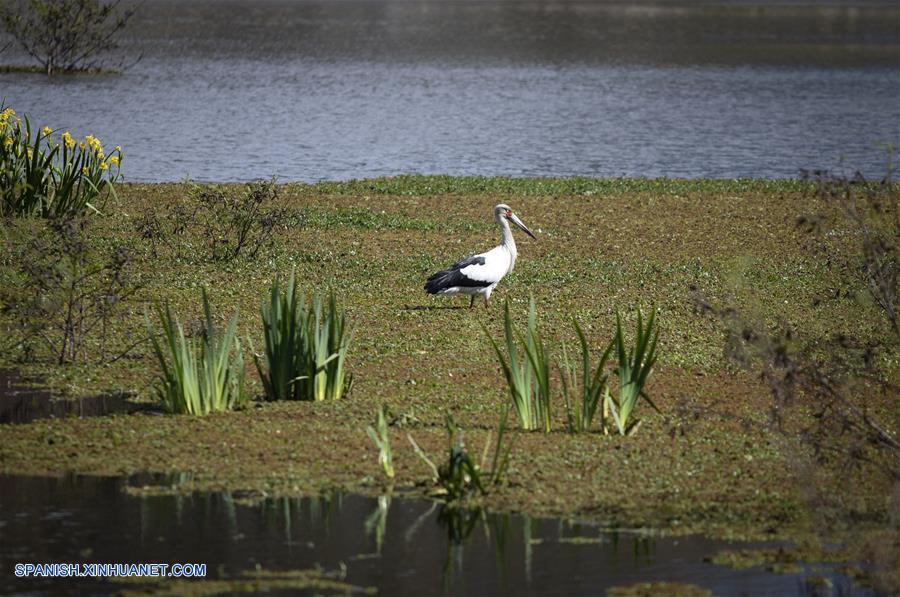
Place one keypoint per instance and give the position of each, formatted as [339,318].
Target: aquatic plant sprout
[305,347]
[634,367]
[526,369]
[198,377]
[461,475]
[382,439]
[48,175]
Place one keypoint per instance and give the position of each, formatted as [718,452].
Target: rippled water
[399,546]
[319,89]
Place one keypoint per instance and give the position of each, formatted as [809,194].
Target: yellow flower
[7,142]
[85,171]
[114,160]
[29,153]
[47,131]
[68,140]
[104,165]
[118,148]
[94,143]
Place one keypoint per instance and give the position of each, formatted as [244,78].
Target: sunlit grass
[425,185]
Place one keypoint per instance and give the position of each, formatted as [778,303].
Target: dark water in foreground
[327,89]
[23,403]
[400,546]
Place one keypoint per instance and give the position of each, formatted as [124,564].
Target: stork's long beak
[515,220]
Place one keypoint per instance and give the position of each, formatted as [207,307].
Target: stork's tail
[439,281]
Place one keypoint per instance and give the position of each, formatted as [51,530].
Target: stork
[480,274]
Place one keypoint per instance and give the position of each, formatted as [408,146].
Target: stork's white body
[480,274]
[498,262]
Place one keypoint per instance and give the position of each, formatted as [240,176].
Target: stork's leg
[472,301]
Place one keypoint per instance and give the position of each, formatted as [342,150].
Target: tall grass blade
[583,396]
[382,440]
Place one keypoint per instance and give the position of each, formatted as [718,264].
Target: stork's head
[504,212]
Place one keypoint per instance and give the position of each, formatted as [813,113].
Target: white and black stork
[480,274]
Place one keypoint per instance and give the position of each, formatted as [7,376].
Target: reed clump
[585,389]
[462,475]
[526,367]
[198,376]
[306,346]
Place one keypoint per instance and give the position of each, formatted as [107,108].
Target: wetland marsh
[369,442]
[709,462]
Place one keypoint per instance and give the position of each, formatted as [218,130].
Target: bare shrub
[67,292]
[230,223]
[66,35]
[871,213]
[818,394]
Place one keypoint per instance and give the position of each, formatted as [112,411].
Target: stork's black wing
[452,276]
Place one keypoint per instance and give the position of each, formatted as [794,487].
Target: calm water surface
[319,89]
[400,546]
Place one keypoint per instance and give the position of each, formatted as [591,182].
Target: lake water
[399,546]
[312,90]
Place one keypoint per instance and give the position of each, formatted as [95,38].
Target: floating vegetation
[305,348]
[250,581]
[198,377]
[781,560]
[656,589]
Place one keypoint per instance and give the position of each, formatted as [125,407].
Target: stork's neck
[507,240]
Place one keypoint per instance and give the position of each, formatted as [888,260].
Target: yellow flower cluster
[5,116]
[94,143]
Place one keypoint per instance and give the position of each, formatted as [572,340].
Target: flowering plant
[41,174]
